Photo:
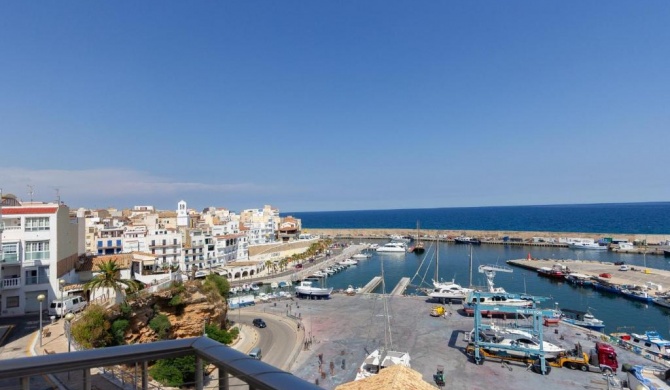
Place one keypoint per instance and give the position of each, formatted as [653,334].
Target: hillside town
[49,249]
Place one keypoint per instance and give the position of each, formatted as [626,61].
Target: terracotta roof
[28,210]
[392,378]
[123,260]
[227,236]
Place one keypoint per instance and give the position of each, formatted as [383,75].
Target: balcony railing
[9,283]
[257,374]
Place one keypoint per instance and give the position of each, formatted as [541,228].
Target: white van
[67,305]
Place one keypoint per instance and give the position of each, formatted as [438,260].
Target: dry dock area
[346,328]
[635,275]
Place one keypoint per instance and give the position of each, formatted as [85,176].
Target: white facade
[182,215]
[40,244]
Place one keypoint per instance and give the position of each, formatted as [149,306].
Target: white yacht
[514,339]
[587,245]
[397,247]
[399,238]
[307,289]
[348,262]
[361,256]
[449,290]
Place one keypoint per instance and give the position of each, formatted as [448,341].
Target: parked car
[624,267]
[298,266]
[259,323]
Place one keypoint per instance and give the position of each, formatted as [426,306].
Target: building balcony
[10,259]
[11,283]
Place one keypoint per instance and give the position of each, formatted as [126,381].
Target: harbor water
[618,313]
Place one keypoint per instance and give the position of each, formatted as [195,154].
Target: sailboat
[418,247]
[446,290]
[383,357]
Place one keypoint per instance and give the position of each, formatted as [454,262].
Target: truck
[602,358]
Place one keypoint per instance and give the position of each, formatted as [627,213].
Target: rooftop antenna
[57,194]
[30,192]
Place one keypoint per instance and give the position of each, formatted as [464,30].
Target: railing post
[198,373]
[87,379]
[25,383]
[224,383]
[145,375]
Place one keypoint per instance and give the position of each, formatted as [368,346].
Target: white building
[40,244]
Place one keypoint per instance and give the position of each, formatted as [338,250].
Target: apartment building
[39,244]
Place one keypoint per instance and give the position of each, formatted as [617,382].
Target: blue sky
[335,105]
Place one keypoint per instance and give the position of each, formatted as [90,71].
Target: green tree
[161,325]
[109,277]
[174,372]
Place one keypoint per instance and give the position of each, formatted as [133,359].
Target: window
[37,250]
[37,276]
[10,252]
[12,302]
[109,242]
[34,224]
[118,242]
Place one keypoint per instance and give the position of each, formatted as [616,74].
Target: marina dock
[401,287]
[637,275]
[372,284]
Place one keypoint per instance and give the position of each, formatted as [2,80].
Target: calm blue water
[619,314]
[633,218]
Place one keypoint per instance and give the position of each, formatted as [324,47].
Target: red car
[605,275]
[298,266]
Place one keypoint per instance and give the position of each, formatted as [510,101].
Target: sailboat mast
[470,265]
[388,337]
[437,260]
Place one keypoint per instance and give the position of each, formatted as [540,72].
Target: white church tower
[182,215]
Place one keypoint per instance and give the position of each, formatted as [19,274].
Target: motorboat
[350,291]
[578,279]
[319,274]
[373,246]
[254,287]
[283,283]
[662,301]
[587,245]
[467,240]
[500,298]
[307,289]
[361,256]
[582,318]
[450,290]
[516,342]
[393,247]
[648,377]
[650,341]
[399,238]
[348,262]
[274,285]
[380,359]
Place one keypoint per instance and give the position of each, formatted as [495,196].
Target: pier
[400,287]
[372,284]
[638,275]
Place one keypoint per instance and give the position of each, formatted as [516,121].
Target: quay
[372,284]
[637,275]
[401,286]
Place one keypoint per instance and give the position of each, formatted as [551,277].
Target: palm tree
[268,264]
[110,278]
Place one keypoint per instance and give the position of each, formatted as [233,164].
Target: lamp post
[68,324]
[41,299]
[61,287]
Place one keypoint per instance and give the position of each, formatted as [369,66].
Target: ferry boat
[650,341]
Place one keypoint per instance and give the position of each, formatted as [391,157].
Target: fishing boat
[600,283]
[385,356]
[467,240]
[650,341]
[582,318]
[637,293]
[558,271]
[647,377]
[578,279]
[663,300]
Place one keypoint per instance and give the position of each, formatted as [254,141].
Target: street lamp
[41,299]
[61,287]
[68,324]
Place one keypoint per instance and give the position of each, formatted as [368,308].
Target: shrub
[119,328]
[92,329]
[221,335]
[169,371]
[126,309]
[161,325]
[218,283]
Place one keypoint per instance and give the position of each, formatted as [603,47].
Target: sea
[619,314]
